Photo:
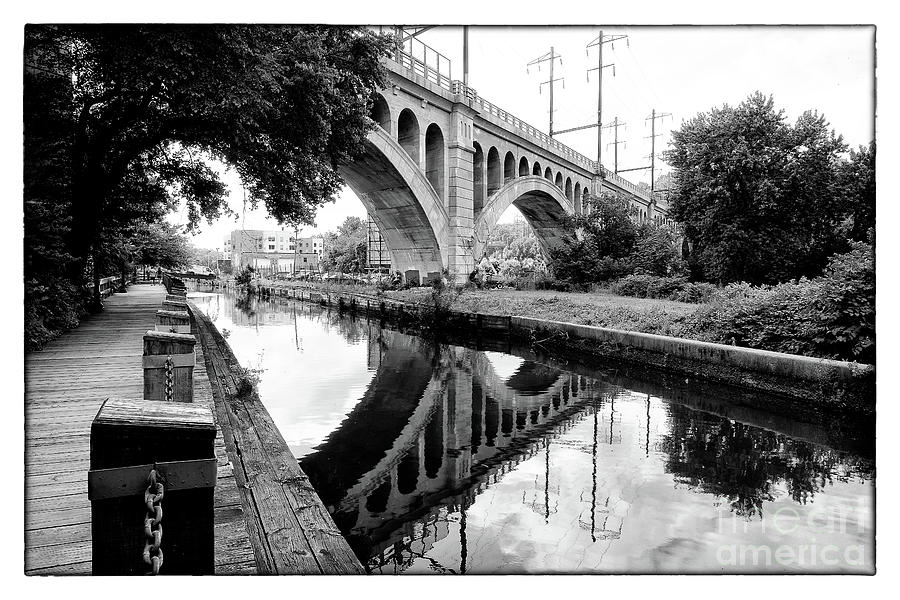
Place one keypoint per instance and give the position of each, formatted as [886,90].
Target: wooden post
[128,438]
[158,347]
[180,304]
[173,321]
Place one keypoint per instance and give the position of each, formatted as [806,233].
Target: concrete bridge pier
[460,200]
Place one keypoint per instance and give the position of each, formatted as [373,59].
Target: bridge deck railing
[419,67]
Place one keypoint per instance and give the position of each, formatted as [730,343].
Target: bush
[695,293]
[245,276]
[667,288]
[832,316]
[54,305]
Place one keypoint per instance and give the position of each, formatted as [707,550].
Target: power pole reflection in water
[463,544]
[647,444]
[594,479]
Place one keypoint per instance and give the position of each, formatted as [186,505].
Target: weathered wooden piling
[134,443]
[169,366]
[180,305]
[173,321]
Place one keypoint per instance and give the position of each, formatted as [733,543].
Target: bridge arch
[540,202]
[578,198]
[410,215]
[495,177]
[509,167]
[548,174]
[381,113]
[537,169]
[434,158]
[559,180]
[408,134]
[523,167]
[569,189]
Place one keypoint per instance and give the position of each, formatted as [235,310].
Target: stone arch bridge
[443,164]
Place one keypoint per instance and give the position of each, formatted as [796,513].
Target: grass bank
[602,309]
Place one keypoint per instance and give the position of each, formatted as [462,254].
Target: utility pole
[551,56]
[615,125]
[296,249]
[466,56]
[601,39]
[653,135]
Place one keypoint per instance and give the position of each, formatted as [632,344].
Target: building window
[271,246]
[291,247]
[304,259]
[271,239]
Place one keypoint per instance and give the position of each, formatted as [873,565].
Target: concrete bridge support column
[460,209]
[459,421]
[595,185]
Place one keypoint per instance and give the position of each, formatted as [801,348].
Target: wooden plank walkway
[64,386]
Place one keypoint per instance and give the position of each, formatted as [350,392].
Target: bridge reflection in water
[457,460]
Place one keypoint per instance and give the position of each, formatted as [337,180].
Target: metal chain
[170,376]
[153,495]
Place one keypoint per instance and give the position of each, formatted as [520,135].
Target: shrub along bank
[832,316]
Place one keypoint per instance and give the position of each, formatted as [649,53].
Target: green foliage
[668,288]
[160,244]
[655,252]
[612,245]
[121,119]
[857,178]
[346,248]
[832,316]
[245,276]
[53,301]
[760,200]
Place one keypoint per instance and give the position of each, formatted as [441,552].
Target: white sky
[677,70]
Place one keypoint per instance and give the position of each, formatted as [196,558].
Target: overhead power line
[551,57]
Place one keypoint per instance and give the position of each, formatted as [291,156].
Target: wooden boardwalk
[64,387]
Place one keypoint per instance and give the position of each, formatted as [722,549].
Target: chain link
[153,495]
[170,377]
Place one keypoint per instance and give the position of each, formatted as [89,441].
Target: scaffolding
[378,258]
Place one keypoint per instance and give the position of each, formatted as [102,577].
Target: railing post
[173,321]
[128,439]
[179,304]
[169,366]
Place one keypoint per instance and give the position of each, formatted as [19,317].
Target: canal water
[442,458]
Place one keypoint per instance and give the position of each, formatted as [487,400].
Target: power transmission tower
[615,125]
[602,39]
[550,56]
[653,135]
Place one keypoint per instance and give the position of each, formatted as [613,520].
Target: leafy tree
[346,248]
[655,252]
[760,200]
[204,256]
[858,182]
[120,120]
[161,245]
[607,238]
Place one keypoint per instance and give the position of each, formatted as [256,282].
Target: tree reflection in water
[744,464]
